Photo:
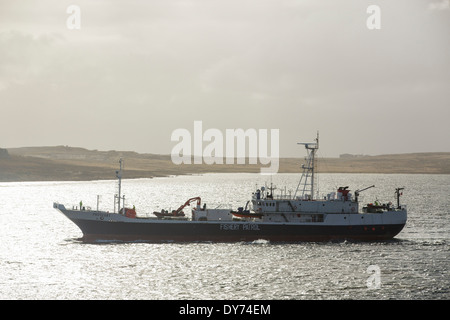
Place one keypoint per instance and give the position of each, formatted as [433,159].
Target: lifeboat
[246,214]
[166,213]
[377,208]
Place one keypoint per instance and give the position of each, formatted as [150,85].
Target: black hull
[231,232]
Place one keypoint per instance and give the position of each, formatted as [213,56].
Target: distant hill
[4,153]
[63,163]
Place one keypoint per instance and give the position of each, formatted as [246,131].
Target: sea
[43,258]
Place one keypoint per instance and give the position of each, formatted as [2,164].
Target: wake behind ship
[285,218]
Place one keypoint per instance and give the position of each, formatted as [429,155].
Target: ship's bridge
[335,202]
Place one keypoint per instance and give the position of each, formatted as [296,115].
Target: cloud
[442,5]
[159,65]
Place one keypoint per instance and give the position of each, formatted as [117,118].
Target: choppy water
[42,258]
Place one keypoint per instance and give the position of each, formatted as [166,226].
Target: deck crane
[179,211]
[360,190]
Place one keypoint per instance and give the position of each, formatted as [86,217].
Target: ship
[298,217]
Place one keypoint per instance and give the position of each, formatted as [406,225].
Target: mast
[309,168]
[398,194]
[117,197]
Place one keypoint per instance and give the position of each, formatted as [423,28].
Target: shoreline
[78,164]
[205,173]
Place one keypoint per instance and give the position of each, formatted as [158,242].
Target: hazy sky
[137,70]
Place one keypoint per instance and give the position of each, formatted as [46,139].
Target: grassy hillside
[69,163]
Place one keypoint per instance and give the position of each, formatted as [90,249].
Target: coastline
[78,164]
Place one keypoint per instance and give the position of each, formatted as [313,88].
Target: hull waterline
[157,230]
